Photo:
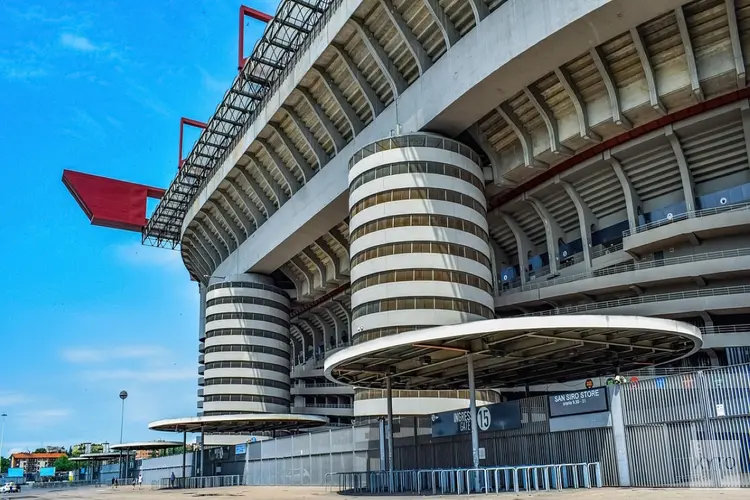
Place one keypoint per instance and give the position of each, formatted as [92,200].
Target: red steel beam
[258,16]
[111,202]
[644,129]
[193,123]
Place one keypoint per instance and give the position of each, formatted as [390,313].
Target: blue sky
[86,311]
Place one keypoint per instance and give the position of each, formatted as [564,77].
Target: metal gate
[689,430]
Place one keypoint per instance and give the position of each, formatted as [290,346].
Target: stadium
[389,184]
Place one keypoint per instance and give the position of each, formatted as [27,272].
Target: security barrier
[459,481]
[201,482]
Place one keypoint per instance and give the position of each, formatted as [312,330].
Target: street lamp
[2,436]
[123,396]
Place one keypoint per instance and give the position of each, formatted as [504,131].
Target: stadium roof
[513,352]
[272,58]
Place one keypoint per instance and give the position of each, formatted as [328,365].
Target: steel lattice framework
[272,58]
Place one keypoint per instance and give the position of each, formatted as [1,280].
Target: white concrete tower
[246,348]
[418,241]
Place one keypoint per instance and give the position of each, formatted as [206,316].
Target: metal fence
[690,429]
[676,429]
[309,459]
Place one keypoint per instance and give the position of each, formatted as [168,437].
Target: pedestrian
[171,480]
[140,480]
[113,483]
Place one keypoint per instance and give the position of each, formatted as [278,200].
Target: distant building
[32,462]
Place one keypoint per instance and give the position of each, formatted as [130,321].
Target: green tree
[64,464]
[40,450]
[4,464]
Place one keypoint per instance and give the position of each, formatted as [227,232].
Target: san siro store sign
[564,404]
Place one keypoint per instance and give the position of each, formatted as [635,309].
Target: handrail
[692,214]
[740,328]
[644,299]
[324,405]
[630,266]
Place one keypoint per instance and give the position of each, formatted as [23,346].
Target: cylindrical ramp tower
[246,347]
[419,243]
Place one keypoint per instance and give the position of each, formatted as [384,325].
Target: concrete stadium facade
[598,149]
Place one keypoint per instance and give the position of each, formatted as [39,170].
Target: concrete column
[473,416]
[389,401]
[632,200]
[202,451]
[552,233]
[383,462]
[586,219]
[618,431]
[184,454]
[523,245]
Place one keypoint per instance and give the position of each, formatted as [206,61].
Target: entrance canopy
[245,423]
[109,455]
[513,352]
[146,445]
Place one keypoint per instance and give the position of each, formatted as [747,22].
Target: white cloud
[41,418]
[106,355]
[8,399]
[144,374]
[79,43]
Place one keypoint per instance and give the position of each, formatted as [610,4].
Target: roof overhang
[146,445]
[513,352]
[239,424]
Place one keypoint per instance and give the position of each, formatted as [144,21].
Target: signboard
[578,402]
[240,449]
[47,471]
[495,417]
[15,472]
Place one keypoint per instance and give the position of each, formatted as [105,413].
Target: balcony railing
[693,214]
[631,266]
[601,250]
[325,405]
[315,386]
[644,299]
[709,330]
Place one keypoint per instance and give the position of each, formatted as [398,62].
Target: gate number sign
[494,417]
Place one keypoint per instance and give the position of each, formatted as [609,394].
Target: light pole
[2,436]
[123,397]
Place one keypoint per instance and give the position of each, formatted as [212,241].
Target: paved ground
[304,493]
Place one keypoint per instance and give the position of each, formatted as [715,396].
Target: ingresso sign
[496,417]
[578,402]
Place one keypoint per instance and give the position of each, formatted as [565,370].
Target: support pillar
[416,443]
[618,432]
[202,452]
[184,454]
[473,415]
[383,462]
[389,400]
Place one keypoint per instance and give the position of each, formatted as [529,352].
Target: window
[261,349]
[248,316]
[421,275]
[248,300]
[414,167]
[247,332]
[441,303]
[420,247]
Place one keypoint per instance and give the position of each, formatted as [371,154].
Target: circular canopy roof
[245,423]
[146,445]
[514,351]
[109,455]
